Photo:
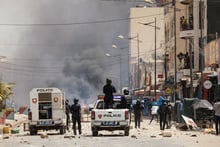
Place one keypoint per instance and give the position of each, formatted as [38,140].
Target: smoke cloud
[47,52]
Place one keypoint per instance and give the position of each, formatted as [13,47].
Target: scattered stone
[6,136]
[153,136]
[167,134]
[69,136]
[26,141]
[44,135]
[194,135]
[182,126]
[209,130]
[133,136]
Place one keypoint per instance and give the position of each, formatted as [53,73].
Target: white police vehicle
[47,110]
[111,119]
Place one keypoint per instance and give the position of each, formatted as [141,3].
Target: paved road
[148,135]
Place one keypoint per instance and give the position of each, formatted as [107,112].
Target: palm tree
[5,93]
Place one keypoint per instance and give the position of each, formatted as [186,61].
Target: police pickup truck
[115,118]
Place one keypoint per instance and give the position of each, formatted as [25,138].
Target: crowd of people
[162,111]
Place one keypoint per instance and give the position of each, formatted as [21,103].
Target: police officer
[162,114]
[108,90]
[123,102]
[67,113]
[138,107]
[76,115]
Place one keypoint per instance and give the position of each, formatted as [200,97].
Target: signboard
[160,76]
[168,90]
[207,84]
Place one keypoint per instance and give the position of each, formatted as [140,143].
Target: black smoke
[70,57]
[62,43]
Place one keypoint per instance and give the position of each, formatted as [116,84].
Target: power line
[74,23]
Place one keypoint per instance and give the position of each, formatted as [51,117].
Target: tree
[5,93]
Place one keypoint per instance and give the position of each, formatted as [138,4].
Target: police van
[47,110]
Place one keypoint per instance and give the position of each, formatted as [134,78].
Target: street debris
[194,135]
[166,134]
[189,122]
[44,135]
[134,136]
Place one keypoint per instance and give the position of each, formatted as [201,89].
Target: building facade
[180,29]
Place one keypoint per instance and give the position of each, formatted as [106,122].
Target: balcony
[186,27]
[185,2]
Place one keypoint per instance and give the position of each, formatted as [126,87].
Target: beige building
[143,43]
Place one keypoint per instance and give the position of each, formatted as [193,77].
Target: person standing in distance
[154,111]
[67,113]
[216,108]
[76,115]
[108,90]
[163,114]
[138,107]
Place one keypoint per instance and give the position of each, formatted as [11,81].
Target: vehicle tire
[94,133]
[126,132]
[62,130]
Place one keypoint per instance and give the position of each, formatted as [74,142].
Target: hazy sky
[61,43]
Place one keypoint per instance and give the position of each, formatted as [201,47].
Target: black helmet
[75,100]
[66,101]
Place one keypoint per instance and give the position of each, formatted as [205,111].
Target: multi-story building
[193,28]
[184,48]
[147,41]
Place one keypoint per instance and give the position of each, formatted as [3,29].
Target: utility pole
[175,67]
[155,56]
[138,62]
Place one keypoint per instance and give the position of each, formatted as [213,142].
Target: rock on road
[147,135]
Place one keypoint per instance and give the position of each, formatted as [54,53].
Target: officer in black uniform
[76,115]
[138,107]
[67,113]
[108,90]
